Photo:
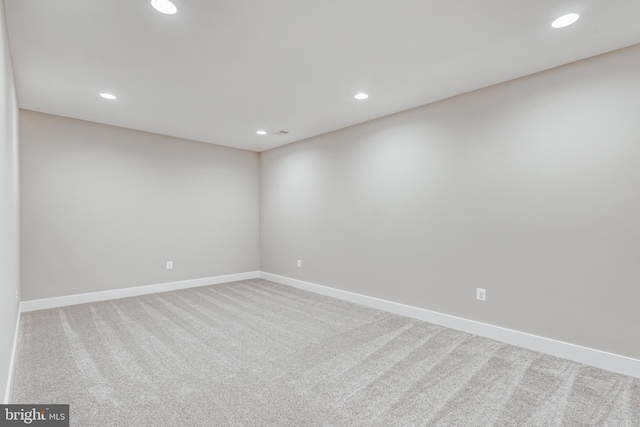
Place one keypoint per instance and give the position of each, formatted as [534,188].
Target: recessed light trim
[565,20]
[261,132]
[107,95]
[361,96]
[164,6]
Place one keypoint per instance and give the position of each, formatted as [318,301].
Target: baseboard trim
[41,304]
[588,356]
[7,392]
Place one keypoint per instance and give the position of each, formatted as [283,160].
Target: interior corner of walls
[201,206]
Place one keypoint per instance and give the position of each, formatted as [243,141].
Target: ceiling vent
[280,132]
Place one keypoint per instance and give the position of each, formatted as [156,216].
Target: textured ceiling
[219,70]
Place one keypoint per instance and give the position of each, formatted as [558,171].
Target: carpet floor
[255,353]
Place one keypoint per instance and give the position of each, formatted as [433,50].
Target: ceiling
[218,70]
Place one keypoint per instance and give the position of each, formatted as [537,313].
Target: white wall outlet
[17,296]
[299,263]
[169,265]
[481,294]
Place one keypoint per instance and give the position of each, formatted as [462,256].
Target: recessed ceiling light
[164,6]
[261,132]
[106,95]
[361,96]
[565,20]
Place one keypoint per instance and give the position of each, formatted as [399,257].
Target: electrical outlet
[169,265]
[299,263]
[481,294]
[17,296]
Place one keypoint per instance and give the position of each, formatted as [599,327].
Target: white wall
[105,207]
[9,207]
[528,189]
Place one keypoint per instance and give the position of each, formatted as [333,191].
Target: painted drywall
[9,208]
[105,207]
[528,189]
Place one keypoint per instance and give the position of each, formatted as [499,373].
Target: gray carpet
[255,353]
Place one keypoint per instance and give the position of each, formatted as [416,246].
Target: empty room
[296,213]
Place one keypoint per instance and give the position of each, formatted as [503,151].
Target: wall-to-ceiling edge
[105,208]
[521,189]
[525,189]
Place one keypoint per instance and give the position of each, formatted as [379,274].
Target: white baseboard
[588,356]
[40,304]
[7,393]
